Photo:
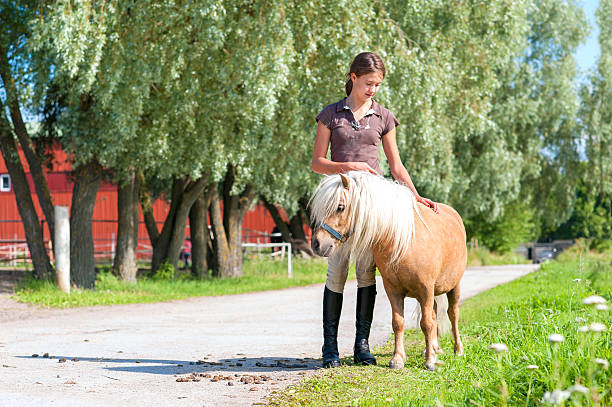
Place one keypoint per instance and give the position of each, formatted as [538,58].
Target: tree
[161,83]
[14,71]
[596,112]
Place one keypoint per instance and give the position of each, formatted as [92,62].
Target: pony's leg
[397,308]
[453,315]
[436,344]
[428,326]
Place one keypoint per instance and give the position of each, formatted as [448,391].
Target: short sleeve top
[357,141]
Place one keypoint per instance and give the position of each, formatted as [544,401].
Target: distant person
[186,252]
[355,127]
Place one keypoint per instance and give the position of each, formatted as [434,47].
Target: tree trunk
[147,210]
[31,224]
[34,163]
[278,220]
[200,239]
[127,230]
[303,201]
[86,183]
[170,241]
[220,243]
[296,225]
[228,230]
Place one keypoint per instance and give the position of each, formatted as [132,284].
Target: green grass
[259,275]
[485,257]
[521,314]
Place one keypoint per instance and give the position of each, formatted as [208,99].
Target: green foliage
[597,109]
[591,218]
[508,231]
[165,271]
[521,314]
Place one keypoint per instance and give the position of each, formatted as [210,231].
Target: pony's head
[358,210]
[330,214]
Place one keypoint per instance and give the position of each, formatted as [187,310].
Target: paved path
[132,355]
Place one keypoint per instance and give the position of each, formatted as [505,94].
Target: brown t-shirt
[356,141]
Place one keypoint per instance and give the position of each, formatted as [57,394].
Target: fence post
[289,265]
[14,251]
[62,248]
[112,247]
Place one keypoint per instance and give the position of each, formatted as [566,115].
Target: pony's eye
[340,208]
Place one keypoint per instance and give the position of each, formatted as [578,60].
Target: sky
[586,55]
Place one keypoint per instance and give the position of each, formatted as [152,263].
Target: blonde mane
[378,210]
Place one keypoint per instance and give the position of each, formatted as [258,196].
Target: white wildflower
[597,327]
[532,367]
[555,338]
[593,300]
[577,280]
[498,347]
[578,388]
[556,397]
[602,307]
[579,320]
[602,362]
[584,328]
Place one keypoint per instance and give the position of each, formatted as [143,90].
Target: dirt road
[241,347]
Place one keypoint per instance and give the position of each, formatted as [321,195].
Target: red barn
[256,223]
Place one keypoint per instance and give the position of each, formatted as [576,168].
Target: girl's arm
[398,170]
[321,165]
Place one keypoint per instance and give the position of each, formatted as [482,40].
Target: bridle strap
[339,236]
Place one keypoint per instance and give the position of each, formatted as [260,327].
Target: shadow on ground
[172,367]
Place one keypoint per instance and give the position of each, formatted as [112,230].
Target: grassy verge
[484,257]
[521,315]
[259,275]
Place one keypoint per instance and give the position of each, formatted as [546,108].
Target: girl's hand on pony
[429,203]
[358,166]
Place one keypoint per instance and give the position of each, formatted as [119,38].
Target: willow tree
[181,92]
[443,61]
[597,109]
[16,75]
[325,39]
[594,212]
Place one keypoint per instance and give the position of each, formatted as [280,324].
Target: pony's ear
[345,181]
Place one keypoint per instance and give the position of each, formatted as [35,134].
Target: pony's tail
[444,324]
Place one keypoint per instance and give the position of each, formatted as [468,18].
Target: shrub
[166,271]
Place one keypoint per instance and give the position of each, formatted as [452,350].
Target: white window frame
[2,178]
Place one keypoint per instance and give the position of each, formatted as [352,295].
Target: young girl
[355,126]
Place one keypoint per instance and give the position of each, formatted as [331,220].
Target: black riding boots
[363,322]
[332,306]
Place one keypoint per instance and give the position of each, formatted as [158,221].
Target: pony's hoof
[431,366]
[396,364]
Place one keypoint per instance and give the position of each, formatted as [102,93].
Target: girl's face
[366,86]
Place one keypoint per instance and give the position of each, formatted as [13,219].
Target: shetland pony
[418,253]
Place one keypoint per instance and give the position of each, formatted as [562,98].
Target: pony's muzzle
[321,246]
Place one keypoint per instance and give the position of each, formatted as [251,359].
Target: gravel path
[241,348]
